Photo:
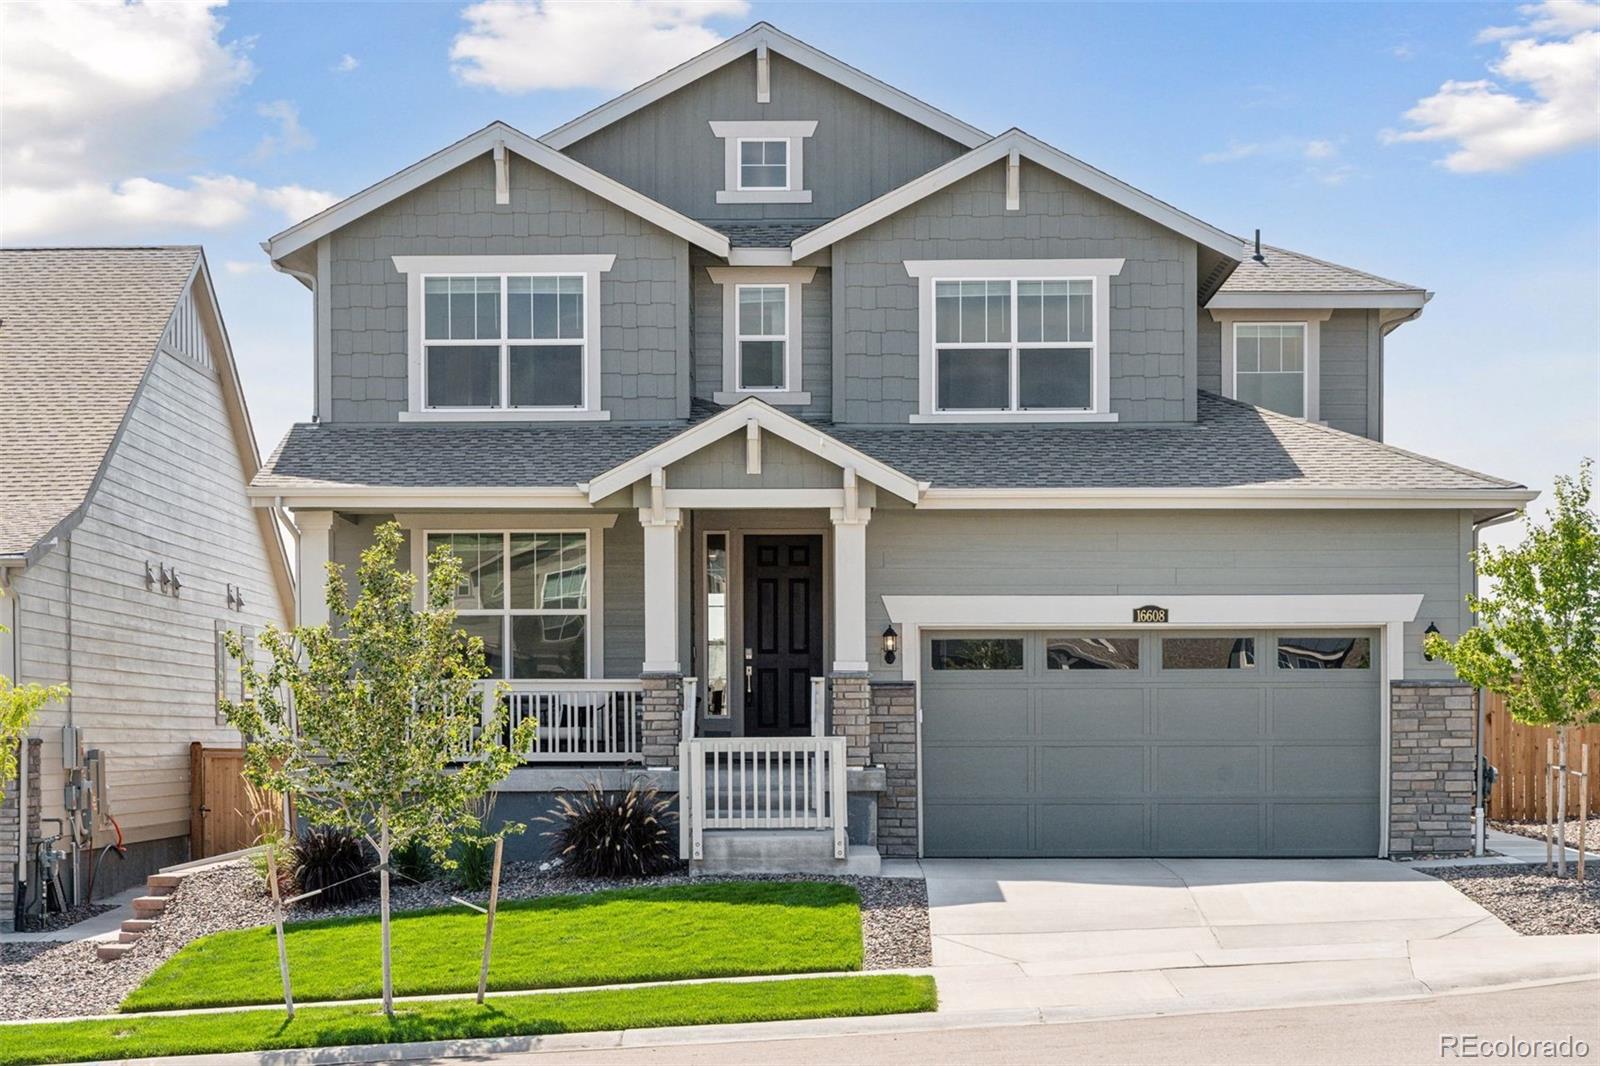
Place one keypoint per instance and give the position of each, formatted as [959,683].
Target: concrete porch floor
[1121,936]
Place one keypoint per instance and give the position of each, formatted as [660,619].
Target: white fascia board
[765,35]
[482,143]
[1011,611]
[1036,151]
[1235,498]
[1330,300]
[770,419]
[391,497]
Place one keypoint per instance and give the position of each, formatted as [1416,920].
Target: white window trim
[793,393]
[417,267]
[733,133]
[1098,271]
[1311,320]
[420,526]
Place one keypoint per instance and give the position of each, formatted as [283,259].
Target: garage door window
[1092,653]
[999,653]
[1208,653]
[1324,653]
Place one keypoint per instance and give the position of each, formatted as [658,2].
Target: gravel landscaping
[55,980]
[68,918]
[1536,831]
[1527,898]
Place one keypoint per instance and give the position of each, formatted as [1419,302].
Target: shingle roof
[78,327]
[1286,271]
[763,234]
[1232,445]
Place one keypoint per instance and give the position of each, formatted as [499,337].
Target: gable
[860,149]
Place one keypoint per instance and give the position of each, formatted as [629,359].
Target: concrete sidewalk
[1164,935]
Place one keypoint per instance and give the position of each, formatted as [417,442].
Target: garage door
[1138,743]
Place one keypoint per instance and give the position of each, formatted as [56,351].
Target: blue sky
[1280,116]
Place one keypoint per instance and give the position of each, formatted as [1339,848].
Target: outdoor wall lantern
[891,643]
[1431,631]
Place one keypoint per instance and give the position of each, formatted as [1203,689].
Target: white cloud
[102,103]
[291,136]
[346,64]
[1542,101]
[518,46]
[1317,159]
[243,266]
[1320,150]
[296,202]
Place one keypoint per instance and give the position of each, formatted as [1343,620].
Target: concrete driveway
[1122,933]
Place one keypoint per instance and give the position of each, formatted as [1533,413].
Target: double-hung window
[504,341]
[763,163]
[763,336]
[1014,344]
[1269,365]
[526,594]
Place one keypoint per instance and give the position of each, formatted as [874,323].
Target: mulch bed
[1529,899]
[57,980]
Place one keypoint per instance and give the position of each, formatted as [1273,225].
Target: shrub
[605,834]
[473,853]
[336,862]
[412,863]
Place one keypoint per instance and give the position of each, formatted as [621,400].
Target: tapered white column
[661,527]
[850,590]
[316,547]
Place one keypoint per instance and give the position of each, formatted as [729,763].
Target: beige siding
[142,664]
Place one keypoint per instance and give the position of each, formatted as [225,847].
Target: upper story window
[763,162]
[761,343]
[1015,339]
[504,337]
[1013,345]
[763,336]
[1269,366]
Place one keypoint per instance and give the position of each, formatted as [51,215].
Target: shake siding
[860,150]
[644,302]
[1152,554]
[142,663]
[1152,304]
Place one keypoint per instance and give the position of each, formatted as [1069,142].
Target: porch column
[661,589]
[315,528]
[850,590]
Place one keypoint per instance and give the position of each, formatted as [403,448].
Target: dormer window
[1269,365]
[504,337]
[763,162]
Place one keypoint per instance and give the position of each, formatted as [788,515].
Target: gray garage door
[1249,743]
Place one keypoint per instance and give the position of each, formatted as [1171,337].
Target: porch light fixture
[891,643]
[1431,631]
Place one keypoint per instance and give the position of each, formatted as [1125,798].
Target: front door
[782,632]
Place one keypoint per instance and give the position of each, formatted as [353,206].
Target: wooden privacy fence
[219,802]
[1517,751]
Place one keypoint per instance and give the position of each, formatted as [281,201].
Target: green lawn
[551,1012]
[642,934]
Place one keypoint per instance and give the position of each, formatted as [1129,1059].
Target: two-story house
[802,439]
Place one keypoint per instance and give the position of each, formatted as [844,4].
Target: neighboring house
[126,544]
[767,372]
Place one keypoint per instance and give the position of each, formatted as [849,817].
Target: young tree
[1537,641]
[18,705]
[373,720]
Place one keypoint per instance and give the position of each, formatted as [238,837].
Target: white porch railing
[592,720]
[764,783]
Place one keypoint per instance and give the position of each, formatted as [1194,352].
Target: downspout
[13,670]
[309,280]
[1480,824]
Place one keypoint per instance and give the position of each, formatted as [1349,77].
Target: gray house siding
[860,150]
[816,337]
[1351,376]
[644,297]
[1152,301]
[721,465]
[1148,553]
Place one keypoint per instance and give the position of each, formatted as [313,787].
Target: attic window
[763,162]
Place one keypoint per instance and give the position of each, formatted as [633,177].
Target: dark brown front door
[782,632]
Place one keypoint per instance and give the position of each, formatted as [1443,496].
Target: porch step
[138,926]
[149,906]
[109,952]
[781,851]
[163,884]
